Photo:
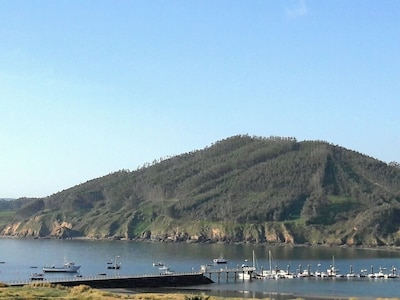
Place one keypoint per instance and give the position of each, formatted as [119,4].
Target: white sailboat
[277,273]
[305,272]
[351,273]
[247,271]
[333,271]
[269,274]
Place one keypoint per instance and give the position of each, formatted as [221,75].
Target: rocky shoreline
[364,247]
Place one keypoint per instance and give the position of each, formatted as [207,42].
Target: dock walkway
[224,273]
[126,281]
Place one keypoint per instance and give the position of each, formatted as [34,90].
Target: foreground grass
[43,290]
[49,291]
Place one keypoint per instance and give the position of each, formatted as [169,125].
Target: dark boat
[37,276]
[113,267]
[220,260]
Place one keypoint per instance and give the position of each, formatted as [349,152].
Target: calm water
[23,257]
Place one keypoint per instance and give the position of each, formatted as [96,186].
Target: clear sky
[91,87]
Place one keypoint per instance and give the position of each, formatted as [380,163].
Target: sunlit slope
[242,189]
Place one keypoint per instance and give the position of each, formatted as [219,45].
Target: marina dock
[224,274]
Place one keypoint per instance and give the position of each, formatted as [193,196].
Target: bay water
[21,257]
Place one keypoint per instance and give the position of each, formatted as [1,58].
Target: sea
[19,258]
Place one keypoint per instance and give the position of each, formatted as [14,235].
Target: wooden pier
[224,274]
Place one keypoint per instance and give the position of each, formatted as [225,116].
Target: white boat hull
[73,269]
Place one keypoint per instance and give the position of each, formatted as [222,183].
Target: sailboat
[351,273]
[247,271]
[305,272]
[256,273]
[393,273]
[276,273]
[332,271]
[269,274]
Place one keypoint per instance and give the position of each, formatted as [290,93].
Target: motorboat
[158,264]
[318,273]
[37,276]
[377,275]
[67,267]
[220,260]
[165,270]
[113,267]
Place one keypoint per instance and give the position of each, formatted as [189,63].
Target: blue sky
[92,87]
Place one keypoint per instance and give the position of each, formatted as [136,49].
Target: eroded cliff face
[278,234]
[12,229]
[39,227]
[238,233]
[34,227]
[269,233]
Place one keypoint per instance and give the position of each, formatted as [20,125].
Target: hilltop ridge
[240,189]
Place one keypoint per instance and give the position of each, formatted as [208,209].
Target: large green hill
[241,189]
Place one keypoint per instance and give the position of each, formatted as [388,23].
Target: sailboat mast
[270,261]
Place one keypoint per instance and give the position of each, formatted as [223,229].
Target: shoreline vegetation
[51,291]
[363,247]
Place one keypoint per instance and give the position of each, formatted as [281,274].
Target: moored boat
[220,260]
[393,273]
[67,267]
[113,267]
[165,270]
[248,271]
[37,276]
[304,273]
[351,274]
[333,271]
[377,275]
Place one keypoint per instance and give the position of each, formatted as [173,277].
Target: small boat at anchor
[165,270]
[219,261]
[113,267]
[37,276]
[67,267]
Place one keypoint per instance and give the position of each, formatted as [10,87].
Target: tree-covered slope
[242,189]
